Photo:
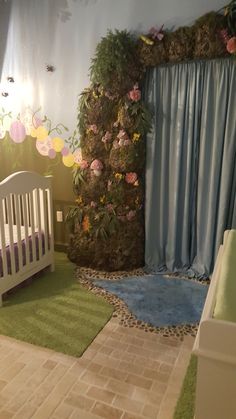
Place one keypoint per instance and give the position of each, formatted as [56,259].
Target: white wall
[65,33]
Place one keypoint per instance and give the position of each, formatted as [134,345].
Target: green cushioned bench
[215,344]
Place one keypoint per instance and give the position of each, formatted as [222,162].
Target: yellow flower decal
[68,160]
[33,132]
[40,133]
[86,223]
[57,143]
[147,40]
[137,201]
[102,199]
[136,136]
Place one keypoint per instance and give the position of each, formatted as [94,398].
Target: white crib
[26,228]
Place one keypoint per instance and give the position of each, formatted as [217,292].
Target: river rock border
[86,277]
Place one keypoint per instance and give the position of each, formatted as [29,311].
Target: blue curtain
[191,164]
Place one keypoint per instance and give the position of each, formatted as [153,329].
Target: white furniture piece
[215,347]
[26,228]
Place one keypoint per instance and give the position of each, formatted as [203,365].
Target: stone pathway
[126,373]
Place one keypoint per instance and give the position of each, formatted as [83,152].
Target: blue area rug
[159,300]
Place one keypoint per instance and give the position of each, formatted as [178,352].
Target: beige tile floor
[125,373]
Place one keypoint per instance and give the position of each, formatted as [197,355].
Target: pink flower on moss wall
[135,94]
[231,45]
[130,215]
[92,128]
[84,164]
[131,177]
[107,137]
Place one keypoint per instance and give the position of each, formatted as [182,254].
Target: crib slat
[50,219]
[38,218]
[11,236]
[25,224]
[18,227]
[32,222]
[2,237]
[44,218]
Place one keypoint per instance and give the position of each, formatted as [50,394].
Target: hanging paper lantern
[57,143]
[68,160]
[17,132]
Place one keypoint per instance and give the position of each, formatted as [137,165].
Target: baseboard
[60,247]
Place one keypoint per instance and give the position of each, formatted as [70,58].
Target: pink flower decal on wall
[43,147]
[17,132]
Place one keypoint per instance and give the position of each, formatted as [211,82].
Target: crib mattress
[14,230]
[23,246]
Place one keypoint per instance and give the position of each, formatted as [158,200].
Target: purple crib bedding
[16,251]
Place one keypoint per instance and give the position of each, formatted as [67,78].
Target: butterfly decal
[157,33]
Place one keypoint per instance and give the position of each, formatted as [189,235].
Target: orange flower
[86,223]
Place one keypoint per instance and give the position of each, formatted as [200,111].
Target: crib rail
[26,225]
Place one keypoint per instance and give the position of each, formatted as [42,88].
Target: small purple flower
[109,184]
[127,142]
[65,151]
[121,218]
[115,144]
[107,137]
[122,134]
[52,153]
[109,207]
[130,215]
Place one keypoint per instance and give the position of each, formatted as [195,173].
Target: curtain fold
[190,173]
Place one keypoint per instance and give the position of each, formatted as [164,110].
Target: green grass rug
[186,402]
[55,312]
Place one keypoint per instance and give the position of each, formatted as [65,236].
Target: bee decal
[146,40]
[50,68]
